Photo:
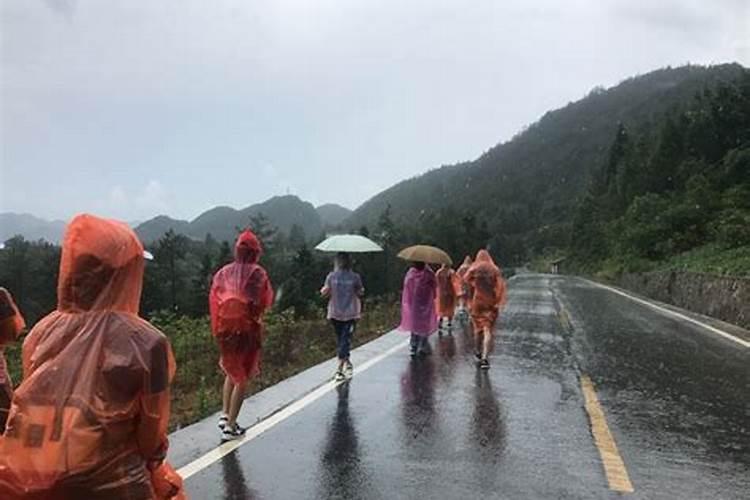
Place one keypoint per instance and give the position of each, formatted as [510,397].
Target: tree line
[178,279]
[670,187]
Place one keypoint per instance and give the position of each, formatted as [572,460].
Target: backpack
[233,314]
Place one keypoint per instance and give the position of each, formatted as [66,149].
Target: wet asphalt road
[677,401]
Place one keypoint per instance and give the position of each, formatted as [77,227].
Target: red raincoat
[89,421]
[11,326]
[240,294]
[488,286]
[461,272]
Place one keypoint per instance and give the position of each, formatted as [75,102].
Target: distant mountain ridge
[331,215]
[221,222]
[30,227]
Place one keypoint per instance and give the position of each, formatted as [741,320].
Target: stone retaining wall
[721,297]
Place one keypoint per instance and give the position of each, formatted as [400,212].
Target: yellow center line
[614,467]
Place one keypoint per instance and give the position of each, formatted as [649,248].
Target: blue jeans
[344,331]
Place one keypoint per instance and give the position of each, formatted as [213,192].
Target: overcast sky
[133,108]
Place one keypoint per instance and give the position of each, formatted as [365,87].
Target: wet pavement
[676,399]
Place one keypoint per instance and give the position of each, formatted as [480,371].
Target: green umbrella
[348,243]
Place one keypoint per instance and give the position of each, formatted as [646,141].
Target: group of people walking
[90,417]
[429,298]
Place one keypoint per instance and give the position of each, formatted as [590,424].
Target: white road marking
[710,328]
[256,430]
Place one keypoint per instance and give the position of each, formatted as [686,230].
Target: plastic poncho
[488,286]
[89,420]
[461,272]
[11,326]
[240,294]
[448,289]
[418,302]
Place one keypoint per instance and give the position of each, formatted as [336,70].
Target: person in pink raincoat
[418,315]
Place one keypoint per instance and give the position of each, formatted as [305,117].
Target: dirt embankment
[722,297]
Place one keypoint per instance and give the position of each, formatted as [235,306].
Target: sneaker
[478,355]
[223,419]
[339,376]
[484,364]
[349,370]
[232,433]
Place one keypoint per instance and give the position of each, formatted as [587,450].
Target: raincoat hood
[465,265]
[11,321]
[247,249]
[101,267]
[484,258]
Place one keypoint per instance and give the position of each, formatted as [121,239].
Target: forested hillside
[678,185]
[332,215]
[524,192]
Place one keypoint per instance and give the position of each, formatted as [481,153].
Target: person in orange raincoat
[240,294]
[448,289]
[464,296]
[488,287]
[11,326]
[89,420]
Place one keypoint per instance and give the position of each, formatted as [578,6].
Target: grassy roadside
[708,259]
[290,347]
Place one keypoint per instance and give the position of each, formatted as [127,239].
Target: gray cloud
[229,102]
[65,8]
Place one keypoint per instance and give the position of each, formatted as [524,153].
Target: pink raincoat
[418,314]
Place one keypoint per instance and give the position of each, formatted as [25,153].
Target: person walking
[418,316]
[448,289]
[488,294]
[89,420]
[11,326]
[344,289]
[240,294]
[464,297]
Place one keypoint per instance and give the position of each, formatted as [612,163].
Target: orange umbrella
[425,253]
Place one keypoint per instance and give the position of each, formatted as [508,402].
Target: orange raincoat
[11,326]
[449,287]
[89,420]
[488,286]
[461,272]
[240,294]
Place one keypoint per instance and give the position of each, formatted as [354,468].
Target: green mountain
[526,189]
[153,229]
[283,212]
[675,195]
[332,215]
